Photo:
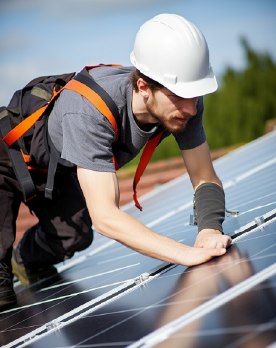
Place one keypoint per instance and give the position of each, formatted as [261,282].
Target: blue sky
[40,37]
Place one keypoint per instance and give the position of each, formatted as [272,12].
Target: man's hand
[209,238]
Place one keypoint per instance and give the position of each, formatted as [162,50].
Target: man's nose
[189,106]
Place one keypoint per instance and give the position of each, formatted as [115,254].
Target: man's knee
[83,239]
[40,248]
[64,247]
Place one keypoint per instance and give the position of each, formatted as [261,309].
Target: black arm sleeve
[210,206]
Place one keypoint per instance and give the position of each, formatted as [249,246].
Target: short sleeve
[87,135]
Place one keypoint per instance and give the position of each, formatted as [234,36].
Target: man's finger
[214,252]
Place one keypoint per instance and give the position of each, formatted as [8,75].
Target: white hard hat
[173,51]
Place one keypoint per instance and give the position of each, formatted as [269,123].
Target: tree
[238,111]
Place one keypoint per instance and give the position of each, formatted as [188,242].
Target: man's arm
[200,169]
[101,192]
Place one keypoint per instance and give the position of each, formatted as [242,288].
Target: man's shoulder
[106,72]
[71,102]
[116,82]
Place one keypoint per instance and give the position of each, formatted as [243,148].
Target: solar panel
[109,295]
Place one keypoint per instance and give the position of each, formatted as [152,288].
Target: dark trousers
[64,223]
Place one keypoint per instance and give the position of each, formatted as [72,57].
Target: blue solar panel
[109,295]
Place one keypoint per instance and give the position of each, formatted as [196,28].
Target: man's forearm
[132,233]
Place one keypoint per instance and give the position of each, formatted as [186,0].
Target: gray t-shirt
[85,137]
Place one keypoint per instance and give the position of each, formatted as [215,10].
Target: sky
[39,37]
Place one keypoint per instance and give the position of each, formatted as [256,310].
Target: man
[165,90]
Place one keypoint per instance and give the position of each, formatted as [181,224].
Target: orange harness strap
[144,160]
[95,99]
[26,124]
[99,103]
[73,85]
[76,86]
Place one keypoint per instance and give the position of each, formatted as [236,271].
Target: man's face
[171,111]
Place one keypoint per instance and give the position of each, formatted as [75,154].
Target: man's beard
[170,123]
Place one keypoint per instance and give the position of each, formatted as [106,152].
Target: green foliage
[238,111]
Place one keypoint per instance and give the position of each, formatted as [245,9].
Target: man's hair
[136,75]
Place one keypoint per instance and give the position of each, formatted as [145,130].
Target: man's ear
[143,88]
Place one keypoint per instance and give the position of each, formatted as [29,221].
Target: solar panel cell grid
[98,299]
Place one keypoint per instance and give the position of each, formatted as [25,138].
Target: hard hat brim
[193,89]
[190,89]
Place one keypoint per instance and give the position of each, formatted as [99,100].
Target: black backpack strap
[53,162]
[17,160]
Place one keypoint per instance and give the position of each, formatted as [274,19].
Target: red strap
[115,163]
[144,160]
